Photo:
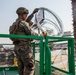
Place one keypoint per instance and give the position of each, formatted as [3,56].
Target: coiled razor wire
[48,17]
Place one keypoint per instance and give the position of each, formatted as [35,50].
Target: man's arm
[29,18]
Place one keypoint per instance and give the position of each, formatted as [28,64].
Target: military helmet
[22,10]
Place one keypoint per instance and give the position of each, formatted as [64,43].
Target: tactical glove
[35,10]
[44,34]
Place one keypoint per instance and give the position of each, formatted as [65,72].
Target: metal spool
[48,21]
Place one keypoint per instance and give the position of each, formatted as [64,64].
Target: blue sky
[8,8]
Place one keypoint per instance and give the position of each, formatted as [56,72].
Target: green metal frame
[71,62]
[30,37]
[45,52]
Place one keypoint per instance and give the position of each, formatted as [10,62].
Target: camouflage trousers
[25,60]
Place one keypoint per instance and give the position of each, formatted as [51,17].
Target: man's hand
[35,10]
[44,34]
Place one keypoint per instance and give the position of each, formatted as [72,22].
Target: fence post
[71,63]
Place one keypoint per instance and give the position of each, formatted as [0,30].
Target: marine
[22,48]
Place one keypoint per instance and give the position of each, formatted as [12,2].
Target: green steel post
[41,57]
[71,62]
[47,58]
[44,57]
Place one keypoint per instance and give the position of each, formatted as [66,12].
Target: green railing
[45,65]
[71,63]
[30,37]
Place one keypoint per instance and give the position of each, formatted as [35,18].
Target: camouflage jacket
[24,29]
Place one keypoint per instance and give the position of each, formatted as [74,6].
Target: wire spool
[48,21]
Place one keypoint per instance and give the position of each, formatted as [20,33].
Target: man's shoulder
[14,23]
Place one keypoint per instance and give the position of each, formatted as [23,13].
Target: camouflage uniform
[22,46]
[22,49]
